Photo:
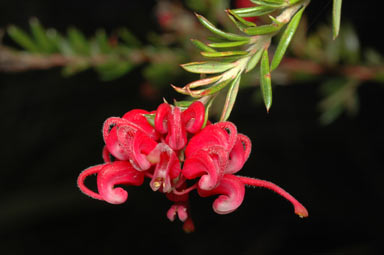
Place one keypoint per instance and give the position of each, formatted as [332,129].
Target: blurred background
[51,131]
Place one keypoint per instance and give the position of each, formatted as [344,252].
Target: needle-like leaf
[286,39]
[336,16]
[265,80]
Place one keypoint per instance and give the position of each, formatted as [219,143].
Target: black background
[50,131]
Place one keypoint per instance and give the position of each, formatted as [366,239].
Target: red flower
[175,149]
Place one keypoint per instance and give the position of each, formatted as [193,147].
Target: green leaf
[270,3]
[201,46]
[215,88]
[336,16]
[203,82]
[78,42]
[253,11]
[218,32]
[239,21]
[113,70]
[227,44]
[286,39]
[150,118]
[40,36]
[219,54]
[231,98]
[263,30]
[207,67]
[253,61]
[265,80]
[183,104]
[128,37]
[102,42]
[207,107]
[23,39]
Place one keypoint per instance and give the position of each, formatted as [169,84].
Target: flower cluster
[171,146]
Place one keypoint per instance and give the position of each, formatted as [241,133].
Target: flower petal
[239,154]
[168,121]
[118,172]
[193,117]
[209,164]
[109,175]
[161,118]
[213,135]
[136,145]
[231,192]
[137,117]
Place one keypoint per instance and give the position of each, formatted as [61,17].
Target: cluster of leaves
[108,55]
[229,54]
[232,54]
[111,56]
[350,67]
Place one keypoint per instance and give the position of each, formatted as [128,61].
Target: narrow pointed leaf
[336,16]
[150,118]
[216,88]
[113,71]
[218,32]
[207,67]
[128,37]
[227,44]
[102,42]
[207,107]
[286,39]
[270,3]
[183,104]
[203,82]
[78,42]
[231,98]
[40,36]
[265,80]
[253,61]
[253,11]
[202,46]
[263,30]
[186,91]
[239,21]
[22,38]
[224,54]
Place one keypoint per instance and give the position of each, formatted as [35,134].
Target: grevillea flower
[170,149]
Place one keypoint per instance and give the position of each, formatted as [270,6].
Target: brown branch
[17,61]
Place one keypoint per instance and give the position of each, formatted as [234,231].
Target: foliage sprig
[230,55]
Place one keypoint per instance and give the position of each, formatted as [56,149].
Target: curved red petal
[118,172]
[177,136]
[239,154]
[231,192]
[136,145]
[113,145]
[137,117]
[231,131]
[193,117]
[209,164]
[161,118]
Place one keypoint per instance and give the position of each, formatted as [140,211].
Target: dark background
[50,131]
